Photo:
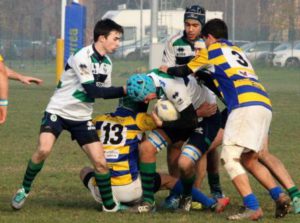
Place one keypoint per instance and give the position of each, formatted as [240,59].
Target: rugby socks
[251,202]
[214,184]
[293,192]
[275,192]
[104,184]
[147,171]
[31,171]
[187,184]
[197,195]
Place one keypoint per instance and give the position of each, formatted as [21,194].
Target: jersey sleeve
[168,58]
[200,61]
[1,58]
[82,68]
[145,122]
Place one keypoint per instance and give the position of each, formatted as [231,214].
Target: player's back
[120,133]
[235,77]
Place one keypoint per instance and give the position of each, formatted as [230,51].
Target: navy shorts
[205,133]
[84,132]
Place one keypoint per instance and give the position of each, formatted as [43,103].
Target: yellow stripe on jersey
[239,70]
[121,150]
[218,60]
[200,61]
[145,122]
[121,180]
[1,58]
[119,166]
[252,96]
[215,46]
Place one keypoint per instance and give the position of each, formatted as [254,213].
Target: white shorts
[125,193]
[247,127]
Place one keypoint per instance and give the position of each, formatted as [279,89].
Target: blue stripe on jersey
[214,53]
[119,173]
[224,66]
[132,127]
[248,88]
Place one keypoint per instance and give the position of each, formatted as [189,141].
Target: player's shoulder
[172,39]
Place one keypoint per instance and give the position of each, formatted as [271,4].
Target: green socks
[104,184]
[147,171]
[31,171]
[294,192]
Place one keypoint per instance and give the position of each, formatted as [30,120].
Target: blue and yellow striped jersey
[120,132]
[233,75]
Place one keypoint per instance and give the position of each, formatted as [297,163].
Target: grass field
[59,196]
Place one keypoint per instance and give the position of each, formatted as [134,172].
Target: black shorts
[202,136]
[205,133]
[84,132]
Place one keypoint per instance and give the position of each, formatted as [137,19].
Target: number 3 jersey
[233,75]
[120,133]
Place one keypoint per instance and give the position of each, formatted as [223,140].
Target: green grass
[59,196]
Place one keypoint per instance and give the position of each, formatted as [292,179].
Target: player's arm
[22,78]
[3,92]
[188,119]
[94,91]
[197,63]
[83,71]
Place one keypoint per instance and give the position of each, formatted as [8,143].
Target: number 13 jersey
[233,75]
[120,133]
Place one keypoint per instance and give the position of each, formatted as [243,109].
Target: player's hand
[28,80]
[156,119]
[206,110]
[163,68]
[3,114]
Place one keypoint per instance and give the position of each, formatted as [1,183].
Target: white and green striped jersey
[70,100]
[182,91]
[178,50]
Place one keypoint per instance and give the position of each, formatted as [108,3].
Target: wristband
[3,102]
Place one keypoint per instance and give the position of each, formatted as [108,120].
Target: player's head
[108,33]
[131,105]
[140,87]
[194,19]
[213,30]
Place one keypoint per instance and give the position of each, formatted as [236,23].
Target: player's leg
[50,130]
[87,138]
[262,174]
[156,141]
[281,174]
[87,177]
[213,166]
[173,153]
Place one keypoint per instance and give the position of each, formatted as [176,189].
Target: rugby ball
[165,110]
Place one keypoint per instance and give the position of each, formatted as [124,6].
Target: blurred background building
[28,29]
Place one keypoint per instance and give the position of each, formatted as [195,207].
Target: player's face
[192,29]
[112,42]
[149,97]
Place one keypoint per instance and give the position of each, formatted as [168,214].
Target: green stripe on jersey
[81,96]
[161,74]
[180,42]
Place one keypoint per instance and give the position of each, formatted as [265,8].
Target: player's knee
[249,160]
[230,158]
[185,164]
[42,153]
[157,140]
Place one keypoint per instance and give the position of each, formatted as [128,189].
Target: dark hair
[215,27]
[104,27]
